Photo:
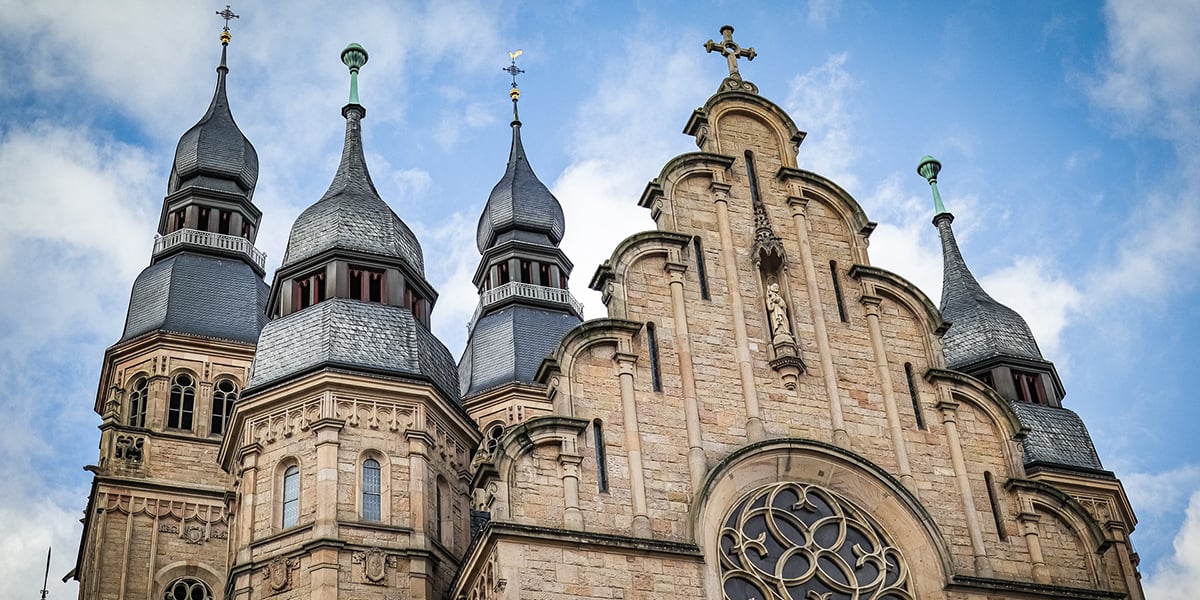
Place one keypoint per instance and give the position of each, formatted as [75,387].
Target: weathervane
[513,70]
[227,15]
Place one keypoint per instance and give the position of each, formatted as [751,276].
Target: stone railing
[524,290]
[208,239]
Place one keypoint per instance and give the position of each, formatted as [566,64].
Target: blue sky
[1068,134]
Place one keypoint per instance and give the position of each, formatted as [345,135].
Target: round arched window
[188,589]
[792,540]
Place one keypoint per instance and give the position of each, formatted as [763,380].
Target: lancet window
[371,490]
[366,284]
[291,496]
[225,393]
[138,400]
[309,290]
[182,406]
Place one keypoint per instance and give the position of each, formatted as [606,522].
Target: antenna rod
[46,579]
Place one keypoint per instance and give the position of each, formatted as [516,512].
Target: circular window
[188,589]
[792,540]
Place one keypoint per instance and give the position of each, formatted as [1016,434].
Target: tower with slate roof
[349,445]
[524,306]
[157,524]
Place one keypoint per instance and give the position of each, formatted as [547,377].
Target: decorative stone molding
[129,449]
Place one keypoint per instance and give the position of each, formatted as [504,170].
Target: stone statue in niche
[777,308]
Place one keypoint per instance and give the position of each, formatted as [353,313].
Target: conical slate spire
[981,327]
[213,153]
[351,215]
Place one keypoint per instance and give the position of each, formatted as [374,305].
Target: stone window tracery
[137,403]
[183,402]
[188,589]
[225,393]
[796,541]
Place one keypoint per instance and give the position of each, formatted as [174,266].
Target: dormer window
[309,290]
[366,284]
[1029,387]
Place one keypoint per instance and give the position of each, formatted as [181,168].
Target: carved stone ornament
[129,449]
[792,540]
[375,564]
[278,573]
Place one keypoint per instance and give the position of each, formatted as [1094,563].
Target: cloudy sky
[1068,134]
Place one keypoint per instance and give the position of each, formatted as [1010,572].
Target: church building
[759,414]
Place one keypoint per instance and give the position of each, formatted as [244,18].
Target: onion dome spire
[351,215]
[351,293]
[981,327]
[525,307]
[214,154]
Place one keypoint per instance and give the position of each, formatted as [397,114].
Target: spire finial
[730,50]
[929,168]
[515,92]
[354,56]
[226,14]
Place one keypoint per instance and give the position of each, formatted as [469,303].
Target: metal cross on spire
[730,50]
[226,14]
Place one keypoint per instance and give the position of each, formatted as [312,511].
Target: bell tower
[157,522]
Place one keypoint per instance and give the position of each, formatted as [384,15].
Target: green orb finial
[354,56]
[929,167]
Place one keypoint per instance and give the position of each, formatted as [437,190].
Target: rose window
[792,541]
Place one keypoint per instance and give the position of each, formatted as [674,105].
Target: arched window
[291,496]
[183,402]
[371,484]
[188,589]
[224,395]
[441,495]
[137,403]
[837,291]
[495,432]
[912,393]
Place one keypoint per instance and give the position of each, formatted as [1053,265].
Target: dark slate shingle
[196,294]
[510,344]
[1056,436]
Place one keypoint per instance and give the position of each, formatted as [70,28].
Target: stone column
[754,425]
[420,479]
[633,444]
[1133,585]
[948,408]
[871,303]
[697,464]
[1029,528]
[569,461]
[800,217]
[248,492]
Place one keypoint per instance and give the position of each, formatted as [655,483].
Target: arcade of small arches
[183,406]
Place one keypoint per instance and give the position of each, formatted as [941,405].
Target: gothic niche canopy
[792,541]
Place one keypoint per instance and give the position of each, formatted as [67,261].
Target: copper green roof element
[354,56]
[929,168]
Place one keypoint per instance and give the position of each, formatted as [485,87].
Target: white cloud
[1176,577]
[450,274]
[820,97]
[820,11]
[619,144]
[1046,299]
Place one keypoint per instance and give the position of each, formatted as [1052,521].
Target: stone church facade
[760,413]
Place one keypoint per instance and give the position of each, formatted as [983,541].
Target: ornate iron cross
[730,50]
[227,15]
